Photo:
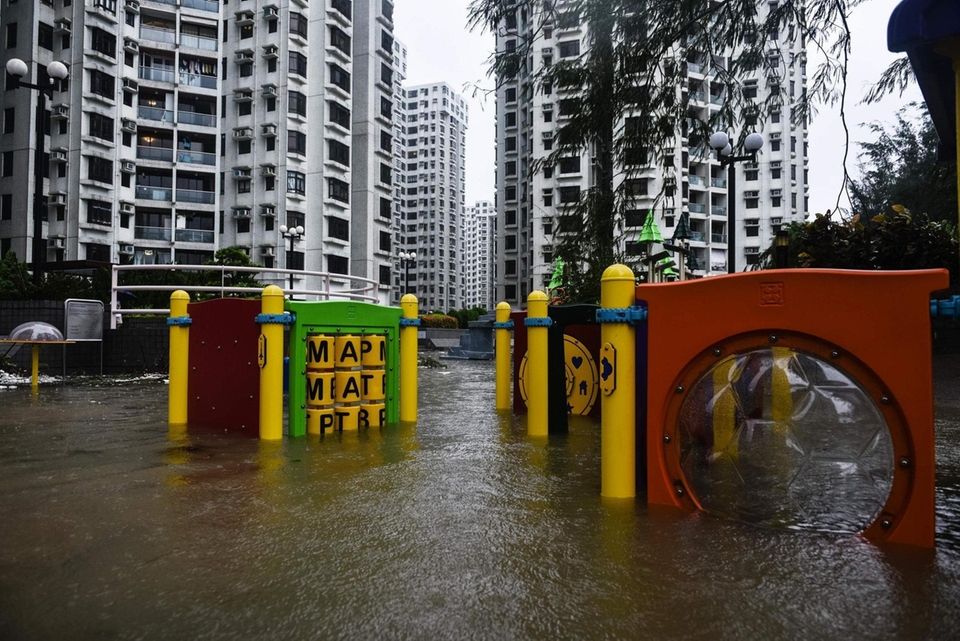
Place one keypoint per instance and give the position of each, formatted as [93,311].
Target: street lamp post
[56,70]
[721,143]
[407,259]
[294,234]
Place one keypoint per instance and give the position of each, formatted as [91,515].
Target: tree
[901,166]
[625,99]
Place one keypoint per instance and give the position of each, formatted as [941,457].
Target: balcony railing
[154,193]
[697,208]
[198,80]
[694,67]
[194,118]
[696,180]
[155,113]
[196,157]
[147,152]
[172,3]
[719,182]
[194,236]
[718,267]
[716,100]
[198,42]
[697,236]
[699,96]
[202,5]
[718,238]
[718,211]
[159,74]
[196,196]
[158,35]
[151,233]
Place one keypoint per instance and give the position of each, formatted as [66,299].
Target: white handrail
[366,292]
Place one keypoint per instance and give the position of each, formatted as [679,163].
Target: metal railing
[719,182]
[154,193]
[718,238]
[151,233]
[155,113]
[333,286]
[196,196]
[718,211]
[198,80]
[194,236]
[147,152]
[195,118]
[697,208]
[198,42]
[196,157]
[156,34]
[159,74]
[202,5]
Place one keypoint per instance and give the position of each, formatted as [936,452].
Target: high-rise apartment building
[433,198]
[479,255]
[769,193]
[399,162]
[131,134]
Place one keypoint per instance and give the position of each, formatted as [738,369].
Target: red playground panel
[223,389]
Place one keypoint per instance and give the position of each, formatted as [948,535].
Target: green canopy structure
[556,279]
[650,232]
[682,232]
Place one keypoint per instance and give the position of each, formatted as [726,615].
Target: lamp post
[721,143]
[56,70]
[294,234]
[407,259]
[781,244]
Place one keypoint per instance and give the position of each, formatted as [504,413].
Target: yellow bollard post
[179,324]
[537,329]
[35,368]
[618,420]
[270,358]
[503,355]
[409,323]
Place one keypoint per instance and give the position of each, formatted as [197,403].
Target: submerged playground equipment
[795,398]
[352,365]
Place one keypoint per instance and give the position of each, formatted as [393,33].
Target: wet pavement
[115,528]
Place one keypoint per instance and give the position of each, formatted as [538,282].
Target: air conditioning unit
[267,250]
[242,133]
[268,170]
[269,130]
[58,198]
[776,192]
[776,164]
[241,212]
[774,135]
[130,85]
[241,172]
[126,250]
[269,90]
[128,167]
[133,6]
[58,155]
[271,51]
[268,210]
[243,56]
[271,12]
[243,95]
[776,221]
[61,111]
[131,45]
[55,242]
[127,208]
[751,194]
[244,17]
[63,25]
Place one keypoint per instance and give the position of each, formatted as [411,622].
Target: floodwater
[460,528]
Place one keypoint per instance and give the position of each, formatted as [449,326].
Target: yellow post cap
[179,295]
[272,290]
[536,296]
[617,272]
[503,305]
[408,299]
[409,305]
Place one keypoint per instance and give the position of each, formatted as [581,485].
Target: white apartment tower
[479,257]
[769,193]
[132,133]
[433,200]
[399,162]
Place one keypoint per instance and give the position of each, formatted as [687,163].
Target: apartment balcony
[202,5]
[157,74]
[198,42]
[696,181]
[152,233]
[195,236]
[719,182]
[196,158]
[154,193]
[697,208]
[198,80]
[155,34]
[155,113]
[195,196]
[718,238]
[694,67]
[145,152]
[718,267]
[717,210]
[194,118]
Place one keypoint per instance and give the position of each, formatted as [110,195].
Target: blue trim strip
[179,321]
[504,325]
[537,322]
[409,322]
[285,318]
[629,315]
[945,307]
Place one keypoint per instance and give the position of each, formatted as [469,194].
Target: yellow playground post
[537,363]
[179,323]
[503,355]
[409,323]
[270,359]
[618,420]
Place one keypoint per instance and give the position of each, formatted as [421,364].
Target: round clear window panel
[36,331]
[779,437]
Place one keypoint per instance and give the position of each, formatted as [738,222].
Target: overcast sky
[440,48]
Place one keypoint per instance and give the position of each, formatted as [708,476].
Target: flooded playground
[459,527]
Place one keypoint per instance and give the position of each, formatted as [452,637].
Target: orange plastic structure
[873,327]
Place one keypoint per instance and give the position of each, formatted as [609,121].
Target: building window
[11,35]
[385,241]
[337,264]
[296,143]
[386,208]
[100,169]
[753,203]
[244,108]
[752,226]
[339,39]
[570,165]
[103,42]
[338,152]
[45,36]
[386,107]
[297,103]
[569,48]
[101,84]
[339,114]
[386,141]
[298,64]
[386,174]
[6,207]
[343,6]
[101,127]
[384,275]
[338,190]
[568,195]
[338,228]
[296,182]
[298,25]
[246,70]
[7,169]
[99,213]
[339,77]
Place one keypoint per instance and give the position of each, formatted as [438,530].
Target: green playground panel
[332,318]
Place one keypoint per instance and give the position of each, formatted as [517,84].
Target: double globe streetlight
[294,234]
[407,259]
[56,70]
[721,143]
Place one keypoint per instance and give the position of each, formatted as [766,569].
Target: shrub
[438,321]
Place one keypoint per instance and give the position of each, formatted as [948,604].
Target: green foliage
[464,316]
[16,283]
[438,321]
[899,240]
[901,166]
